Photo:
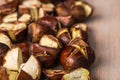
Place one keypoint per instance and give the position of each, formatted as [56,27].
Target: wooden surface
[104,37]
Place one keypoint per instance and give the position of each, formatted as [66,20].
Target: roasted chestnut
[64,35]
[77,12]
[77,54]
[36,31]
[54,74]
[87,7]
[47,50]
[45,55]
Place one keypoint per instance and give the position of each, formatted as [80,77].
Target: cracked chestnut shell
[79,30]
[45,55]
[52,74]
[77,54]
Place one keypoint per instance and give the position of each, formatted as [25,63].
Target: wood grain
[104,37]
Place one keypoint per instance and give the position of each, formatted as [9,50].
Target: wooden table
[104,37]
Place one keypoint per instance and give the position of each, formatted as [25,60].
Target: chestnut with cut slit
[77,54]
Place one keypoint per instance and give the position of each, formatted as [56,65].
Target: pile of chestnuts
[45,40]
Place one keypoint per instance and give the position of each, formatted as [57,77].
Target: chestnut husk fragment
[45,55]
[77,55]
[54,74]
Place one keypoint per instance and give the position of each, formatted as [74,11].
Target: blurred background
[104,37]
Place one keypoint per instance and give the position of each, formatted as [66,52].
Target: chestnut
[64,35]
[78,74]
[45,55]
[52,74]
[5,45]
[77,12]
[36,31]
[79,30]
[31,70]
[87,7]
[47,50]
[49,21]
[77,54]
[25,50]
